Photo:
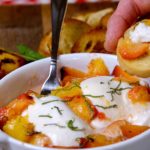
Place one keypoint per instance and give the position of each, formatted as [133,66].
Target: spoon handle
[58,8]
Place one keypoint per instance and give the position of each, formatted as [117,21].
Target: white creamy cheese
[135,113]
[113,103]
[51,116]
[141,33]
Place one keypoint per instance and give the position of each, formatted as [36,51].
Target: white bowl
[33,75]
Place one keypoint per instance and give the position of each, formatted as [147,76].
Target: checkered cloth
[14,2]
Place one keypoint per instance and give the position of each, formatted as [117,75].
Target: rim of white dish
[75,55]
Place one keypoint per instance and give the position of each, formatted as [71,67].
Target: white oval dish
[34,74]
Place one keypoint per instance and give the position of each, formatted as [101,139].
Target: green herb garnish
[107,107]
[50,102]
[28,53]
[71,126]
[93,96]
[48,116]
[117,90]
[54,124]
[58,109]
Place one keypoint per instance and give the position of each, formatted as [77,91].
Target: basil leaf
[28,53]
[70,125]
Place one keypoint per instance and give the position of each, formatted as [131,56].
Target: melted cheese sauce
[51,117]
[141,33]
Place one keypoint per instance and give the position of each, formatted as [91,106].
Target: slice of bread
[71,31]
[96,19]
[92,41]
[139,65]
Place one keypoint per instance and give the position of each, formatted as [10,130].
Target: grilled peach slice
[82,108]
[97,67]
[19,128]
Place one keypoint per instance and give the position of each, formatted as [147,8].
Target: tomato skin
[139,94]
[130,51]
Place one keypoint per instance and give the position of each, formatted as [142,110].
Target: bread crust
[139,66]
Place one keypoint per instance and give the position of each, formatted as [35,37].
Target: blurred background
[27,21]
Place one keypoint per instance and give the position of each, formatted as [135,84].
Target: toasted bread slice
[105,19]
[71,31]
[9,62]
[139,67]
[134,57]
[92,41]
[94,18]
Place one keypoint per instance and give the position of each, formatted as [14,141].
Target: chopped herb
[59,110]
[117,90]
[72,127]
[54,124]
[28,53]
[50,102]
[48,116]
[107,107]
[93,96]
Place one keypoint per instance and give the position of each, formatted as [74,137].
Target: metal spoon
[58,8]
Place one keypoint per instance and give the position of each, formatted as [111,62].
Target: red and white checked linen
[20,2]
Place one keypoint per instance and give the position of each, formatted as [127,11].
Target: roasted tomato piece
[129,50]
[14,108]
[130,131]
[139,94]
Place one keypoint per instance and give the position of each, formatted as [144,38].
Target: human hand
[125,15]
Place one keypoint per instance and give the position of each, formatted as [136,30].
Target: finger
[125,14]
